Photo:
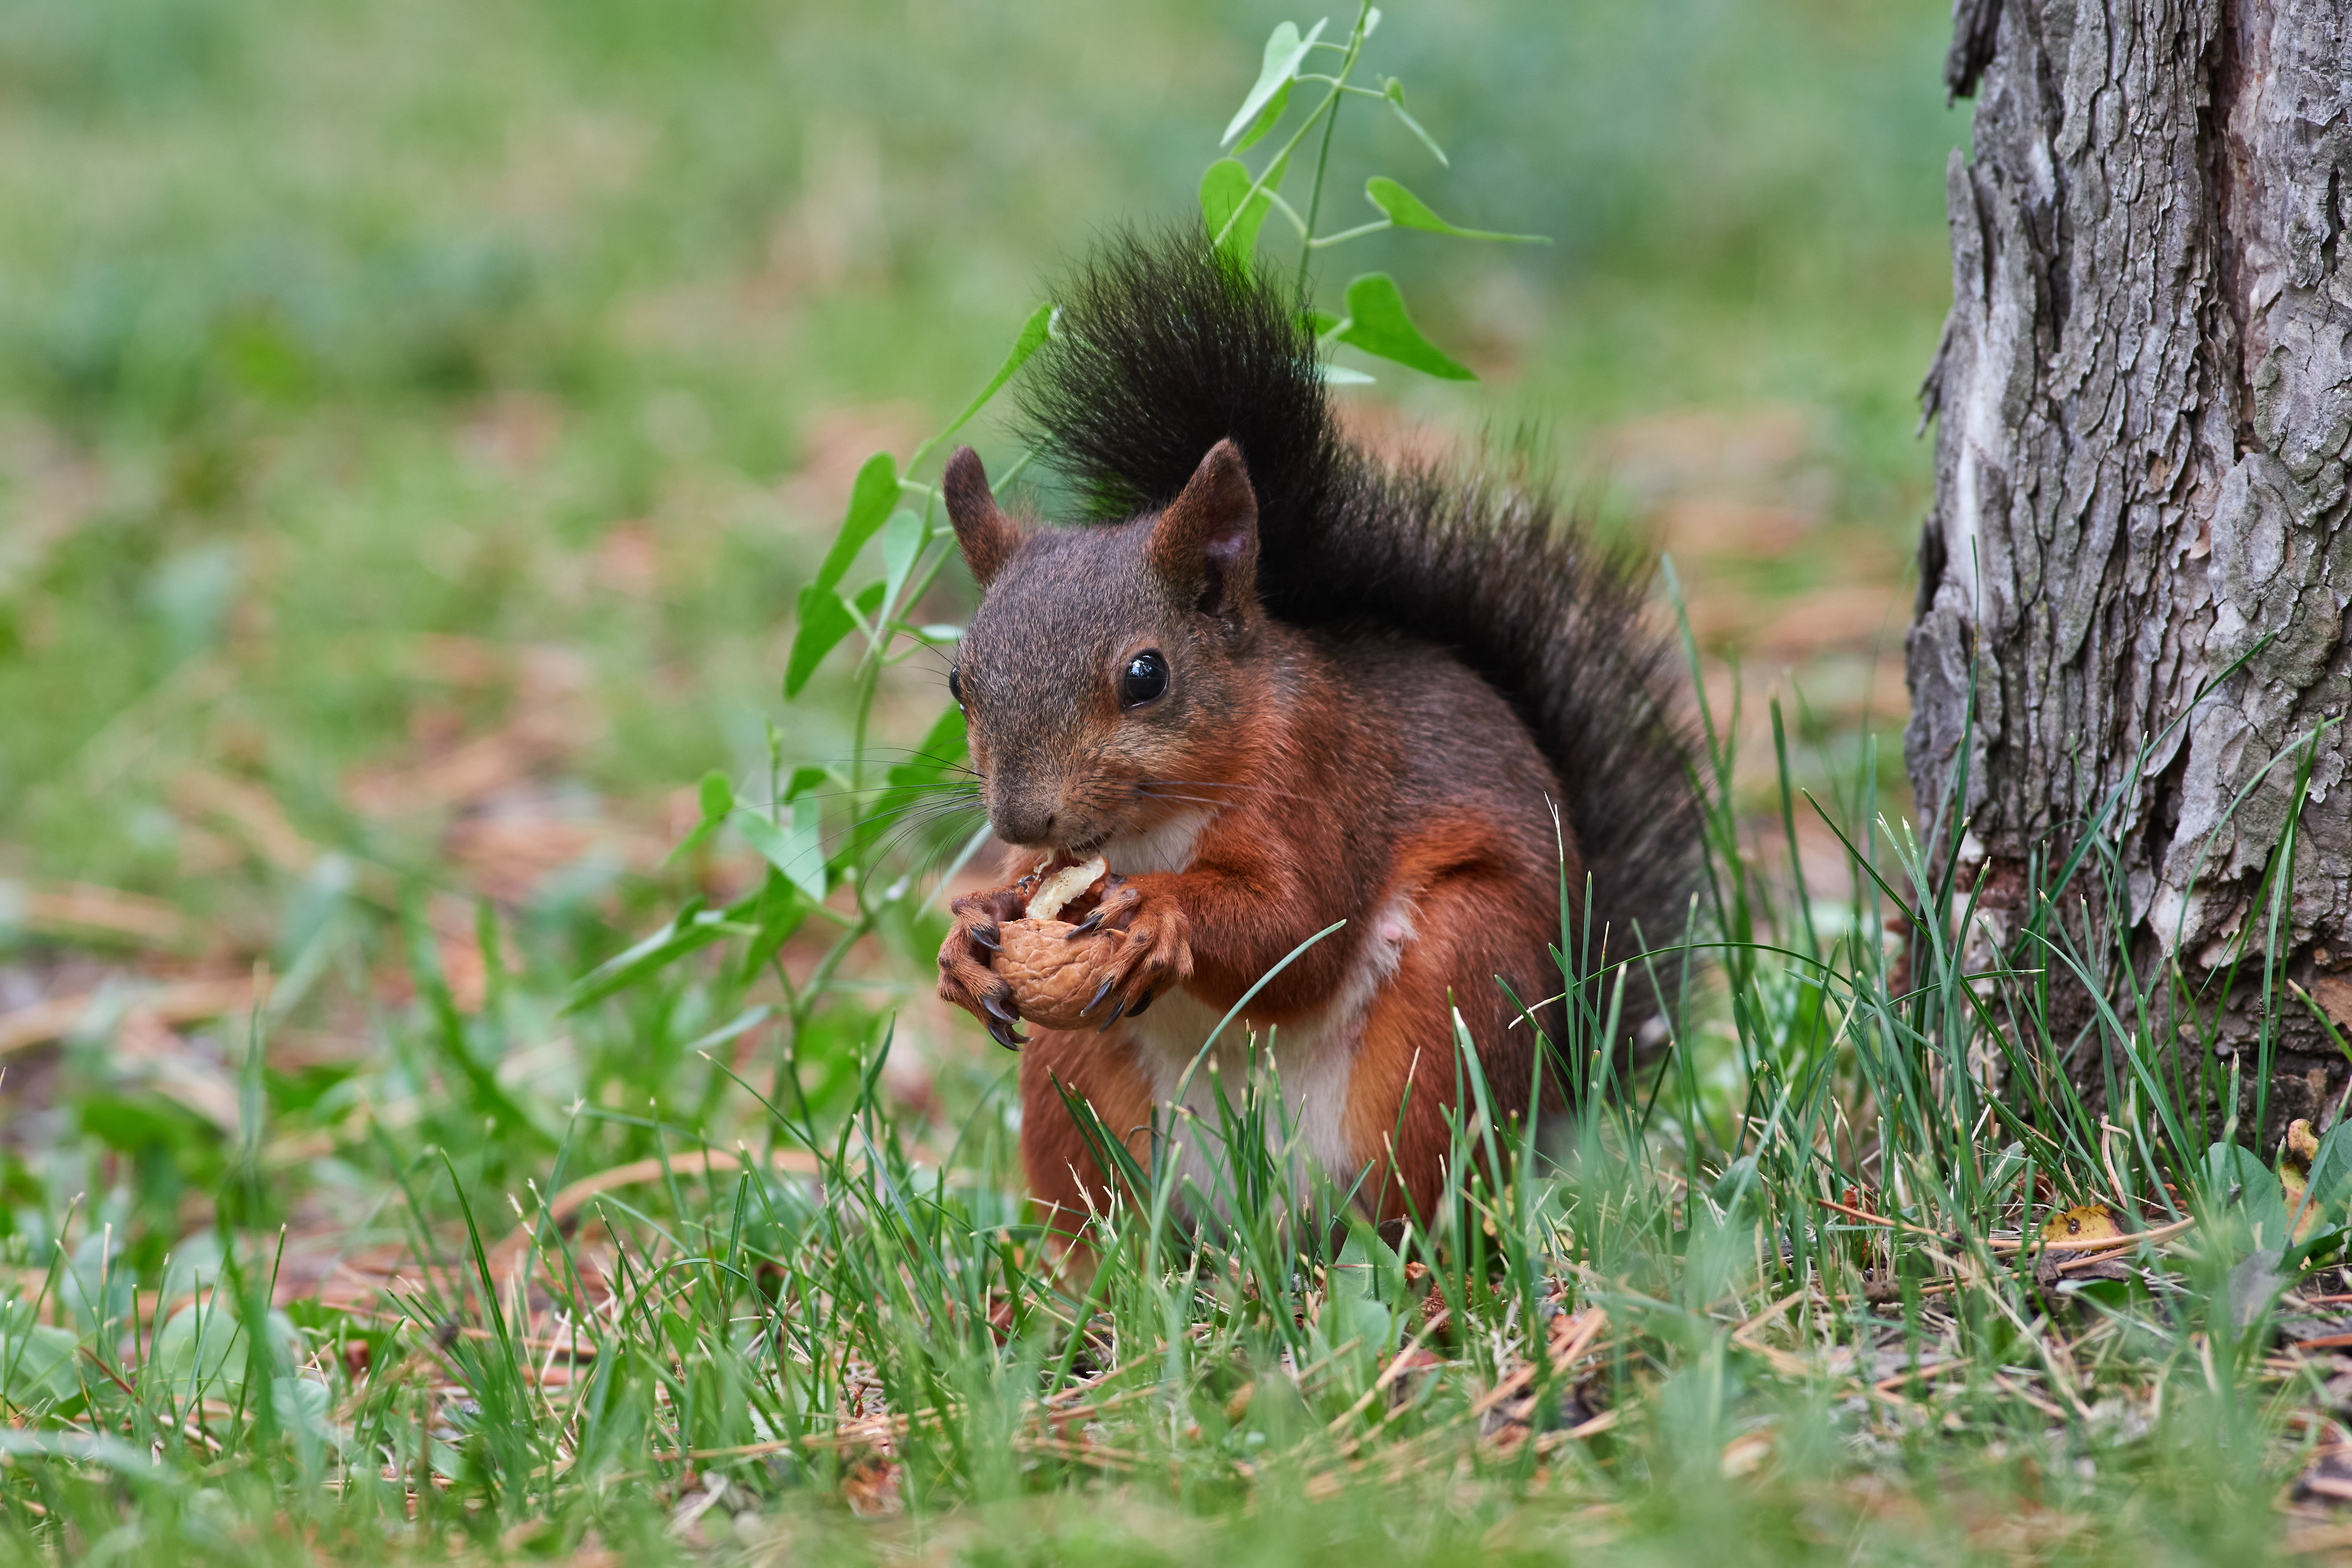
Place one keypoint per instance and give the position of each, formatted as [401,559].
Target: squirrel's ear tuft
[1207,539]
[985,535]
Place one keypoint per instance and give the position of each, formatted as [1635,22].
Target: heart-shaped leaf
[1409,211]
[1393,92]
[1231,214]
[824,620]
[795,849]
[1268,117]
[1028,340]
[1286,51]
[902,541]
[1377,324]
[871,496]
[716,795]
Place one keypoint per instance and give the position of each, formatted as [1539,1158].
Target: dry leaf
[2087,1221]
[2333,994]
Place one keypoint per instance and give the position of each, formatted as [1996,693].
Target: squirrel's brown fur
[1379,684]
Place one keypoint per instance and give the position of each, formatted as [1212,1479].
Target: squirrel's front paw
[1146,948]
[966,979]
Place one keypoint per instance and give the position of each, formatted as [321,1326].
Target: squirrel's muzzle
[1024,812]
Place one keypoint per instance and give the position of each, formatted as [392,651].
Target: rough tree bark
[2144,410]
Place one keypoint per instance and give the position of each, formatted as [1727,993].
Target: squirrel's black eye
[955,684]
[1145,677]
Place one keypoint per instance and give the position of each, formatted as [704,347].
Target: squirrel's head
[1100,676]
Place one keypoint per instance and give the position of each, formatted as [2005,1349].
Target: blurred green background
[415,420]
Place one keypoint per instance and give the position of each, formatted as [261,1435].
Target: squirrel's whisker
[905,831]
[1224,784]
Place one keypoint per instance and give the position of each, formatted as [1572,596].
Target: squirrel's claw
[1149,948]
[967,979]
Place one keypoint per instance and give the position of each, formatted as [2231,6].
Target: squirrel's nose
[1023,822]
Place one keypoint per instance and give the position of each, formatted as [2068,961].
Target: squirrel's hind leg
[1464,930]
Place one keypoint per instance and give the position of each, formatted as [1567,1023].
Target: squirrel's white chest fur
[1312,1058]
[1166,848]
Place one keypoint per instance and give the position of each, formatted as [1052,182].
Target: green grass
[1658,1338]
[388,393]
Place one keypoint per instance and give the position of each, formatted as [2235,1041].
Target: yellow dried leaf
[2087,1221]
[2293,1186]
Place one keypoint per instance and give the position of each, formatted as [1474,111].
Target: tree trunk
[2144,409]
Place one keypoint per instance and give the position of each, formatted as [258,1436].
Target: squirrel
[1276,684]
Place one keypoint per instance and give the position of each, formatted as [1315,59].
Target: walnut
[1053,978]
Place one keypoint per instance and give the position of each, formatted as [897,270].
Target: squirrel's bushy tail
[1160,350]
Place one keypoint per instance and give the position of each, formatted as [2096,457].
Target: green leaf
[2232,1168]
[718,795]
[1286,51]
[940,753]
[1379,325]
[2325,1188]
[1224,189]
[1268,119]
[1394,90]
[1028,340]
[2331,1166]
[824,620]
[303,1406]
[84,1449]
[1343,375]
[199,1351]
[37,1359]
[902,541]
[871,498]
[1409,211]
[782,911]
[919,779]
[797,849]
[1351,1311]
[1367,1266]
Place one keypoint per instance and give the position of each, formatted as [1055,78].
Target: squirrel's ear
[985,535]
[1207,539]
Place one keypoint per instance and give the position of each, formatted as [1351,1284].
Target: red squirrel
[1276,684]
